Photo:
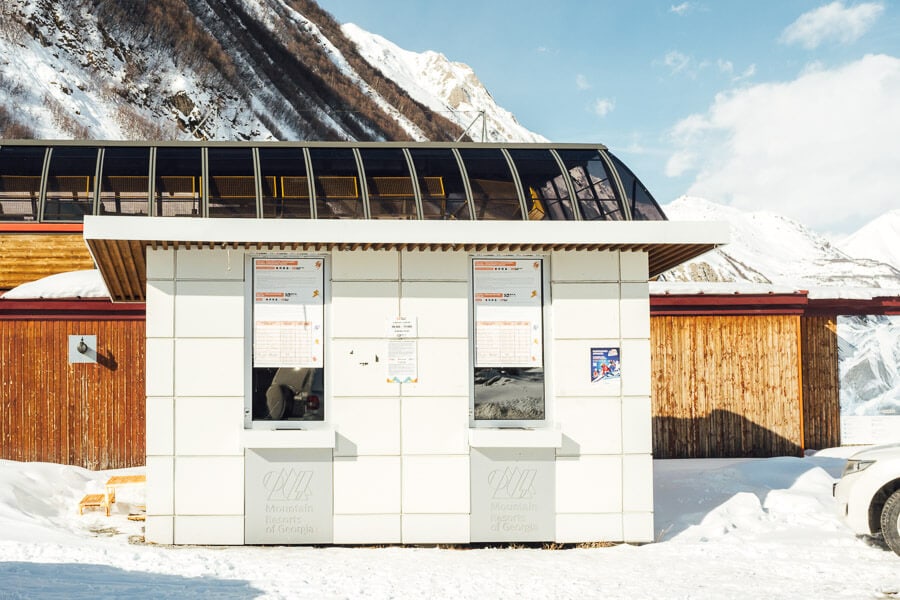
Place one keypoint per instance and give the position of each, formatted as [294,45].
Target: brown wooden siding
[726,386]
[91,415]
[28,257]
[821,382]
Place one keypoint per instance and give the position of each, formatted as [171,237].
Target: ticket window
[508,306]
[286,329]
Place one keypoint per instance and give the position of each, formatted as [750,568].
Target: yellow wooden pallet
[94,501]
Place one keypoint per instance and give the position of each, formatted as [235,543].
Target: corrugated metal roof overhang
[119,244]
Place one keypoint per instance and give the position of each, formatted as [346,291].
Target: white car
[869,493]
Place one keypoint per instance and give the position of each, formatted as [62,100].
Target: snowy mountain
[766,248]
[879,240]
[208,69]
[448,88]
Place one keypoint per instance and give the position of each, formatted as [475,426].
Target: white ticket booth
[394,381]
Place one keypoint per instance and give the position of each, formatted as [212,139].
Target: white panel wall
[362,406]
[366,426]
[435,411]
[401,466]
[604,467]
[195,388]
[160,387]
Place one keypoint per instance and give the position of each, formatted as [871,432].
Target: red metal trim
[71,309]
[734,311]
[17,227]
[769,304]
[728,304]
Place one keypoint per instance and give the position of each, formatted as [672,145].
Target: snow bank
[75,284]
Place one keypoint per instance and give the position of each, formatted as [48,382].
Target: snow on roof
[660,288]
[74,284]
[691,288]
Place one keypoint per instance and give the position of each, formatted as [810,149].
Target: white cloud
[582,83]
[832,22]
[821,148]
[604,106]
[681,9]
[725,66]
[746,74]
[680,162]
[676,61]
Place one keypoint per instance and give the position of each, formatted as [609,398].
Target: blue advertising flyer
[605,364]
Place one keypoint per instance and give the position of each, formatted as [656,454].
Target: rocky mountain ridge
[201,69]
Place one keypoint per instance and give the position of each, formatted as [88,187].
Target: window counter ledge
[288,438]
[515,438]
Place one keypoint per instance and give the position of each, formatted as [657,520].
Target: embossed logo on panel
[512,483]
[288,485]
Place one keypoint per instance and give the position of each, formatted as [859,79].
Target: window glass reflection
[70,184]
[20,182]
[336,180]
[643,206]
[594,189]
[285,186]
[389,184]
[232,183]
[543,185]
[441,184]
[125,181]
[493,191]
[177,182]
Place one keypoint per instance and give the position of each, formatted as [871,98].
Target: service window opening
[508,379]
[287,382]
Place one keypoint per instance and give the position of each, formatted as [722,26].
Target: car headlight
[855,466]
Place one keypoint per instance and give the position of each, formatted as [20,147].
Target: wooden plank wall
[821,382]
[726,386]
[28,257]
[91,415]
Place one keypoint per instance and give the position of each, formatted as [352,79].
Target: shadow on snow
[74,581]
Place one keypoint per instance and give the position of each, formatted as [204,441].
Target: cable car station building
[361,343]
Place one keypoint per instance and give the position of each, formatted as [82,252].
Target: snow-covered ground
[755,528]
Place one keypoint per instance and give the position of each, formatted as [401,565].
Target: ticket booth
[415,381]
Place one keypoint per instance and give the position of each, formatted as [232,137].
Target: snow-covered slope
[226,70]
[879,240]
[446,87]
[771,249]
[177,69]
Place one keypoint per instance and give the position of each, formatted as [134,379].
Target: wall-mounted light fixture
[82,348]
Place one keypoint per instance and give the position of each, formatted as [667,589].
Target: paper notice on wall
[402,363]
[288,313]
[508,312]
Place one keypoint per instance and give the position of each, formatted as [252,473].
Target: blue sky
[753,104]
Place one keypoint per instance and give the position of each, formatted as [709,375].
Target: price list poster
[288,312]
[508,307]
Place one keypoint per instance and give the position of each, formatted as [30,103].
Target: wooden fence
[726,386]
[84,414]
[821,382]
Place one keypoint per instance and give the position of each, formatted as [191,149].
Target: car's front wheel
[890,522]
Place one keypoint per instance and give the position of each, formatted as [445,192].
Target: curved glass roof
[63,181]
